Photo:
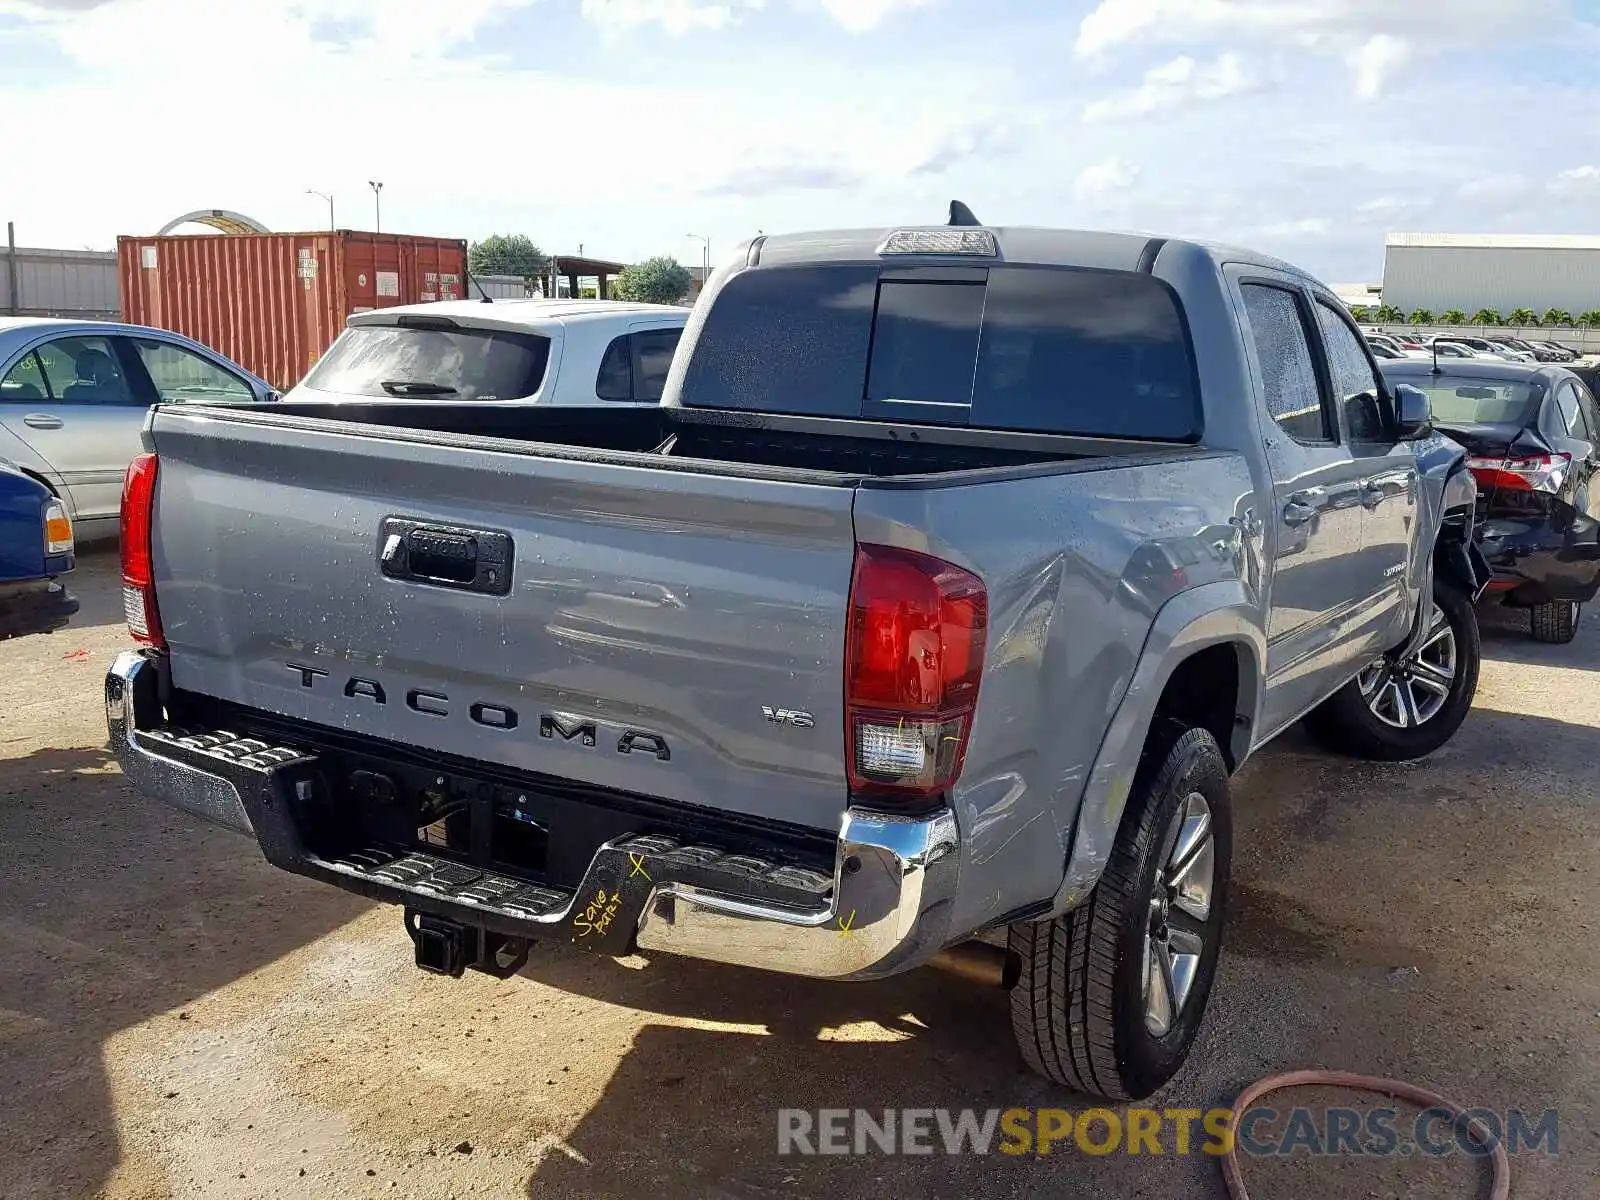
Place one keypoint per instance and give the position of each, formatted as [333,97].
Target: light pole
[377,204]
[329,198]
[706,262]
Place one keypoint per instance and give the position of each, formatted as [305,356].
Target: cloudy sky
[1300,127]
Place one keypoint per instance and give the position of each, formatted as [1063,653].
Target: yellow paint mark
[845,926]
[638,866]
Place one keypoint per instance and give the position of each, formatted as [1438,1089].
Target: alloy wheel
[1180,906]
[1407,692]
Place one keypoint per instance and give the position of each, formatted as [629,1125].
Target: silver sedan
[73,398]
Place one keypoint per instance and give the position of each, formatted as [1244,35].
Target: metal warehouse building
[1503,272]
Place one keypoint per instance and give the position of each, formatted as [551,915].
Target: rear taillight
[57,529]
[913,661]
[1531,473]
[138,577]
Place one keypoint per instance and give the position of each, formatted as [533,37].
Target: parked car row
[73,394]
[1393,346]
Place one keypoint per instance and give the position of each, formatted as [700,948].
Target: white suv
[509,351]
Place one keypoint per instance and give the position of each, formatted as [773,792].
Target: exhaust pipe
[980,963]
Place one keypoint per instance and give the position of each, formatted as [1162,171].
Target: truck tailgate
[649,616]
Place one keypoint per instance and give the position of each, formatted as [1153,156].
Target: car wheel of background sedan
[1555,622]
[1111,994]
[1401,708]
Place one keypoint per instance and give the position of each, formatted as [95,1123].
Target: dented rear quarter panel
[1078,568]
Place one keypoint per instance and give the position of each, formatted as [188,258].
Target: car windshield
[432,363]
[1481,401]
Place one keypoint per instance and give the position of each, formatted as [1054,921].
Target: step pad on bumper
[455,881]
[230,747]
[638,862]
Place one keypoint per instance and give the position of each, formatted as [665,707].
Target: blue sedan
[35,548]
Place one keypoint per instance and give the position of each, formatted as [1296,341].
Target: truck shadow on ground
[1385,979]
[697,1111]
[113,910]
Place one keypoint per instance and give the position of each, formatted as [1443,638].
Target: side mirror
[270,395]
[1412,417]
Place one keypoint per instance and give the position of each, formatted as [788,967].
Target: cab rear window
[1031,349]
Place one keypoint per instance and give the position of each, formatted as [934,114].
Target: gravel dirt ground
[178,1019]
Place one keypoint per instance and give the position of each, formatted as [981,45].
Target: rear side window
[652,359]
[615,380]
[1567,404]
[1032,349]
[1278,331]
[416,363]
[635,365]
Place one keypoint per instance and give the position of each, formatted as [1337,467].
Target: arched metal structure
[219,219]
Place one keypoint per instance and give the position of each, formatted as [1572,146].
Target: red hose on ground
[1392,1088]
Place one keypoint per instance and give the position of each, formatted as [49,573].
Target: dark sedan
[1532,434]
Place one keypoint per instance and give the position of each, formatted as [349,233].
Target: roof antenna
[960,214]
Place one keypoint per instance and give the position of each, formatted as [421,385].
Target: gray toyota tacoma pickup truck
[925,621]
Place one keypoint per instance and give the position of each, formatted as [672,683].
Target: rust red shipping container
[273,302]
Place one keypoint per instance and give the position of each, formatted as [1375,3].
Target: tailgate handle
[468,560]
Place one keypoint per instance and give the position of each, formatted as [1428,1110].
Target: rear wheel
[1555,622]
[1111,994]
[1404,706]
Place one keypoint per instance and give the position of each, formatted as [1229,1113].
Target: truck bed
[797,448]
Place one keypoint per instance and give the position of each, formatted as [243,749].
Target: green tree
[1388,313]
[1422,316]
[1361,313]
[1592,317]
[1522,316]
[1453,316]
[507,254]
[1487,316]
[1557,316]
[659,280]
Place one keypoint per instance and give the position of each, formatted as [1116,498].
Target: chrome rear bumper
[886,909]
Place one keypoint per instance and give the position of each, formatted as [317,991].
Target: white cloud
[1384,205]
[252,37]
[677,17]
[1372,36]
[860,16]
[1117,22]
[1577,183]
[1377,58]
[1174,84]
[1102,178]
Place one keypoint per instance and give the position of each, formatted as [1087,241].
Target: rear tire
[1397,710]
[1555,622]
[1111,994]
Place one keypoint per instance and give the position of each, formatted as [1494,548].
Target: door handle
[42,421]
[1299,511]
